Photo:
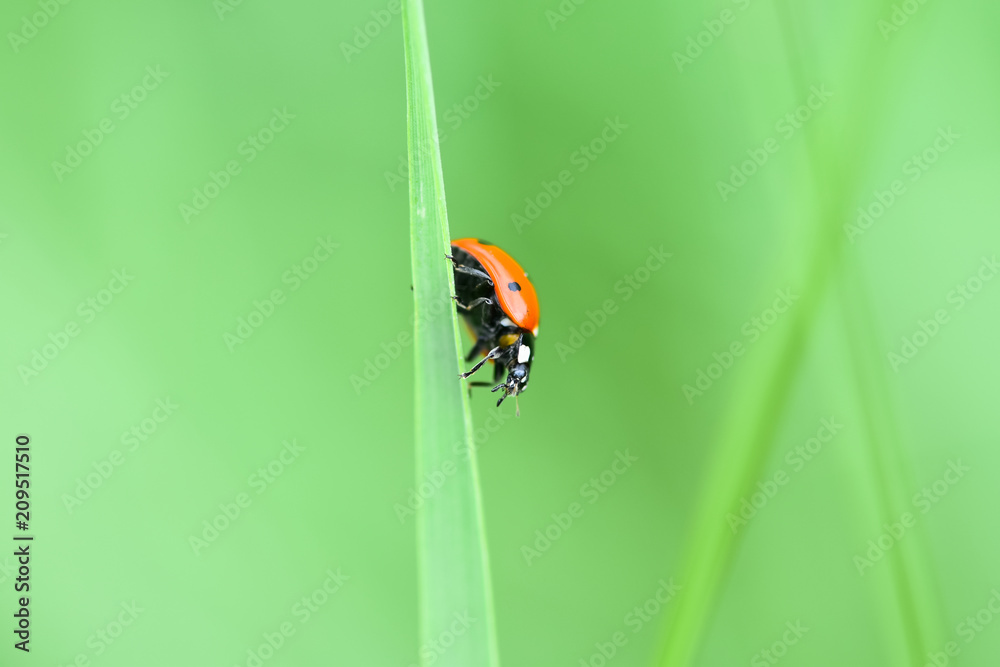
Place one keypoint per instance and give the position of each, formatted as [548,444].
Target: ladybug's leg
[492,354]
[475,302]
[498,370]
[477,384]
[468,270]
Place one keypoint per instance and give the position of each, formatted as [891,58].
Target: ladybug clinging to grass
[500,307]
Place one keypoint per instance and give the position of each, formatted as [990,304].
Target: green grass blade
[451,544]
[748,432]
[913,580]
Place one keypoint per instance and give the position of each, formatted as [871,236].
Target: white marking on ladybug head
[523,354]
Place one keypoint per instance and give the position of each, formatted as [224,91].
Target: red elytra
[516,293]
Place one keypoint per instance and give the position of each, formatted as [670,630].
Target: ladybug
[500,307]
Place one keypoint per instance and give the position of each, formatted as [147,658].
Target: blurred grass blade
[744,446]
[750,427]
[913,579]
[451,543]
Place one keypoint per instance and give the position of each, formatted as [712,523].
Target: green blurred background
[307,113]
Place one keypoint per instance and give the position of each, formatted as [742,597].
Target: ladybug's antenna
[503,394]
[517,406]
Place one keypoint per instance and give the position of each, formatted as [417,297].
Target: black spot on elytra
[483,242]
[513,287]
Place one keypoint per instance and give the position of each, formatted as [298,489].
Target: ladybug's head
[517,372]
[517,381]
